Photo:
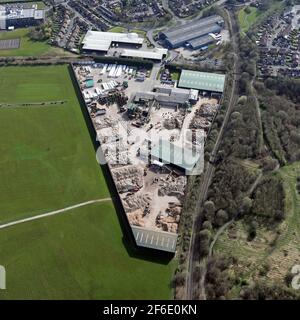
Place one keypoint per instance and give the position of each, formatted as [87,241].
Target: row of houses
[133,11]
[278,39]
[87,10]
[186,8]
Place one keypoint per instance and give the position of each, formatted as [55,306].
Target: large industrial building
[175,155]
[127,45]
[203,81]
[102,41]
[12,16]
[156,54]
[168,96]
[195,34]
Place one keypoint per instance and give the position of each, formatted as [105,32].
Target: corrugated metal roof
[173,95]
[170,153]
[97,46]
[202,80]
[180,34]
[156,54]
[192,26]
[97,40]
[153,239]
[213,28]
[144,96]
[202,41]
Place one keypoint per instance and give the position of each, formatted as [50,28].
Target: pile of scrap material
[118,160]
[128,178]
[203,117]
[170,219]
[117,153]
[136,218]
[106,122]
[173,187]
[173,122]
[115,147]
[133,202]
[208,110]
[200,123]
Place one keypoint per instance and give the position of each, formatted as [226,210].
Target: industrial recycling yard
[152,136]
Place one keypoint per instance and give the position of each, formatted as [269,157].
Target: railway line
[208,175]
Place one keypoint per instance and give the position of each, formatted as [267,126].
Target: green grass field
[48,163]
[175,76]
[77,255]
[117,29]
[246,20]
[289,175]
[46,150]
[28,47]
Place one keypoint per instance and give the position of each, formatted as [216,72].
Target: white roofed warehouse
[156,54]
[98,41]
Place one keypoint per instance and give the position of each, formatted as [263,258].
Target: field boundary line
[33,104]
[52,213]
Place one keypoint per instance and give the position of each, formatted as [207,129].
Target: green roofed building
[169,153]
[204,81]
[89,83]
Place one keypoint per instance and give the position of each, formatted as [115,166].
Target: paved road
[52,213]
[151,38]
[208,175]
